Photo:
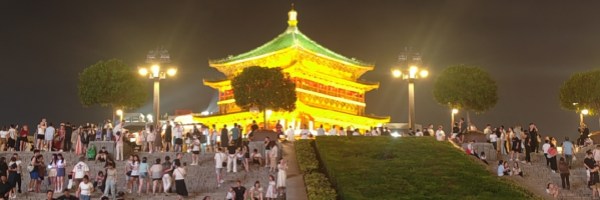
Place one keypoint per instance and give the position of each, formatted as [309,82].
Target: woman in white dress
[272,189]
[150,137]
[282,176]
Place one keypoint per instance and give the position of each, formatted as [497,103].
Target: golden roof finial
[292,17]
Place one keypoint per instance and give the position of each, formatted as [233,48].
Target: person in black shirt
[102,155]
[3,166]
[224,136]
[66,196]
[168,136]
[5,187]
[240,191]
[68,133]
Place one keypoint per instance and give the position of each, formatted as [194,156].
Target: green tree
[264,88]
[111,84]
[466,87]
[581,91]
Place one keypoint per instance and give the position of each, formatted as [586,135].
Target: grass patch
[409,168]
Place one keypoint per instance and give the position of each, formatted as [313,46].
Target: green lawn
[408,168]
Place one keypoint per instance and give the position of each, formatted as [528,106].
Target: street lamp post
[156,73]
[120,114]
[452,113]
[411,75]
[581,114]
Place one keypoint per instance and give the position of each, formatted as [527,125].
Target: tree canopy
[581,91]
[466,87]
[264,88]
[111,84]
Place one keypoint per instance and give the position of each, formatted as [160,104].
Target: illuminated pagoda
[327,86]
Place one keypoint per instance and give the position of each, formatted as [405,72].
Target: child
[230,194]
[99,182]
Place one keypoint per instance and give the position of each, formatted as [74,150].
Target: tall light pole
[453,112]
[410,74]
[156,58]
[581,114]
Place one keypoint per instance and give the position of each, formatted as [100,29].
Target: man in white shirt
[545,147]
[320,131]
[220,157]
[12,135]
[290,134]
[494,140]
[79,171]
[440,135]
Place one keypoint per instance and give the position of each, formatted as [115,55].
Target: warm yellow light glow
[172,72]
[424,74]
[143,71]
[120,112]
[454,111]
[412,71]
[269,113]
[155,70]
[585,111]
[396,73]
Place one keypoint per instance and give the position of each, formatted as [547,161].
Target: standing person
[61,166]
[320,131]
[567,151]
[552,152]
[282,176]
[19,178]
[49,136]
[332,130]
[595,181]
[273,154]
[111,181]
[231,163]
[52,172]
[545,148]
[41,128]
[166,179]
[135,173]
[85,189]
[563,168]
[240,191]
[119,146]
[179,175]
[267,145]
[516,146]
[290,132]
[13,176]
[80,170]
[439,134]
[158,141]
[195,149]
[235,135]
[33,173]
[271,189]
[494,139]
[219,160]
[178,135]
[156,172]
[533,131]
[150,138]
[23,135]
[224,136]
[168,136]
[12,137]
[76,141]
[143,171]
[213,138]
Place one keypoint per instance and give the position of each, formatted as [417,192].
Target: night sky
[529,48]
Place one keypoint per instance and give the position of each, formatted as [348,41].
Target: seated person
[99,182]
[256,157]
[552,190]
[66,196]
[102,155]
[5,187]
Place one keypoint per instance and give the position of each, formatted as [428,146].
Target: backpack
[91,152]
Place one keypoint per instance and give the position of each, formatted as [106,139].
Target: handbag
[30,168]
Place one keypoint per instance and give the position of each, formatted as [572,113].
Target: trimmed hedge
[317,184]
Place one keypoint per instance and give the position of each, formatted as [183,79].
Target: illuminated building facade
[327,85]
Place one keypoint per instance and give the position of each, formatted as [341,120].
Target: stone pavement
[200,179]
[538,175]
